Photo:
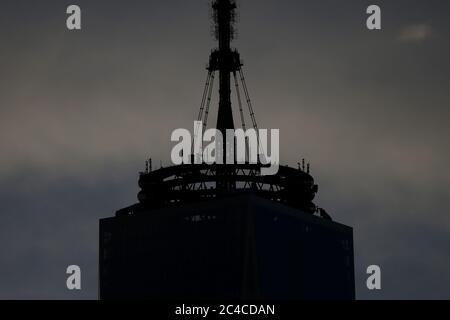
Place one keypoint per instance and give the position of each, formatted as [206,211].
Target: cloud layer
[416,33]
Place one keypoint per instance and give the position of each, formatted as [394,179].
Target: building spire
[224,59]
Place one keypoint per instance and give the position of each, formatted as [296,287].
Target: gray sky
[81,111]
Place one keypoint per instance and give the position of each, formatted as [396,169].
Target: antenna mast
[224,59]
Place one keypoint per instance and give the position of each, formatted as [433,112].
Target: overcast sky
[81,111]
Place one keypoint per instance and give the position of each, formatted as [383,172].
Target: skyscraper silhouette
[225,231]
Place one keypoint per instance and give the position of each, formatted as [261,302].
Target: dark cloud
[80,112]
